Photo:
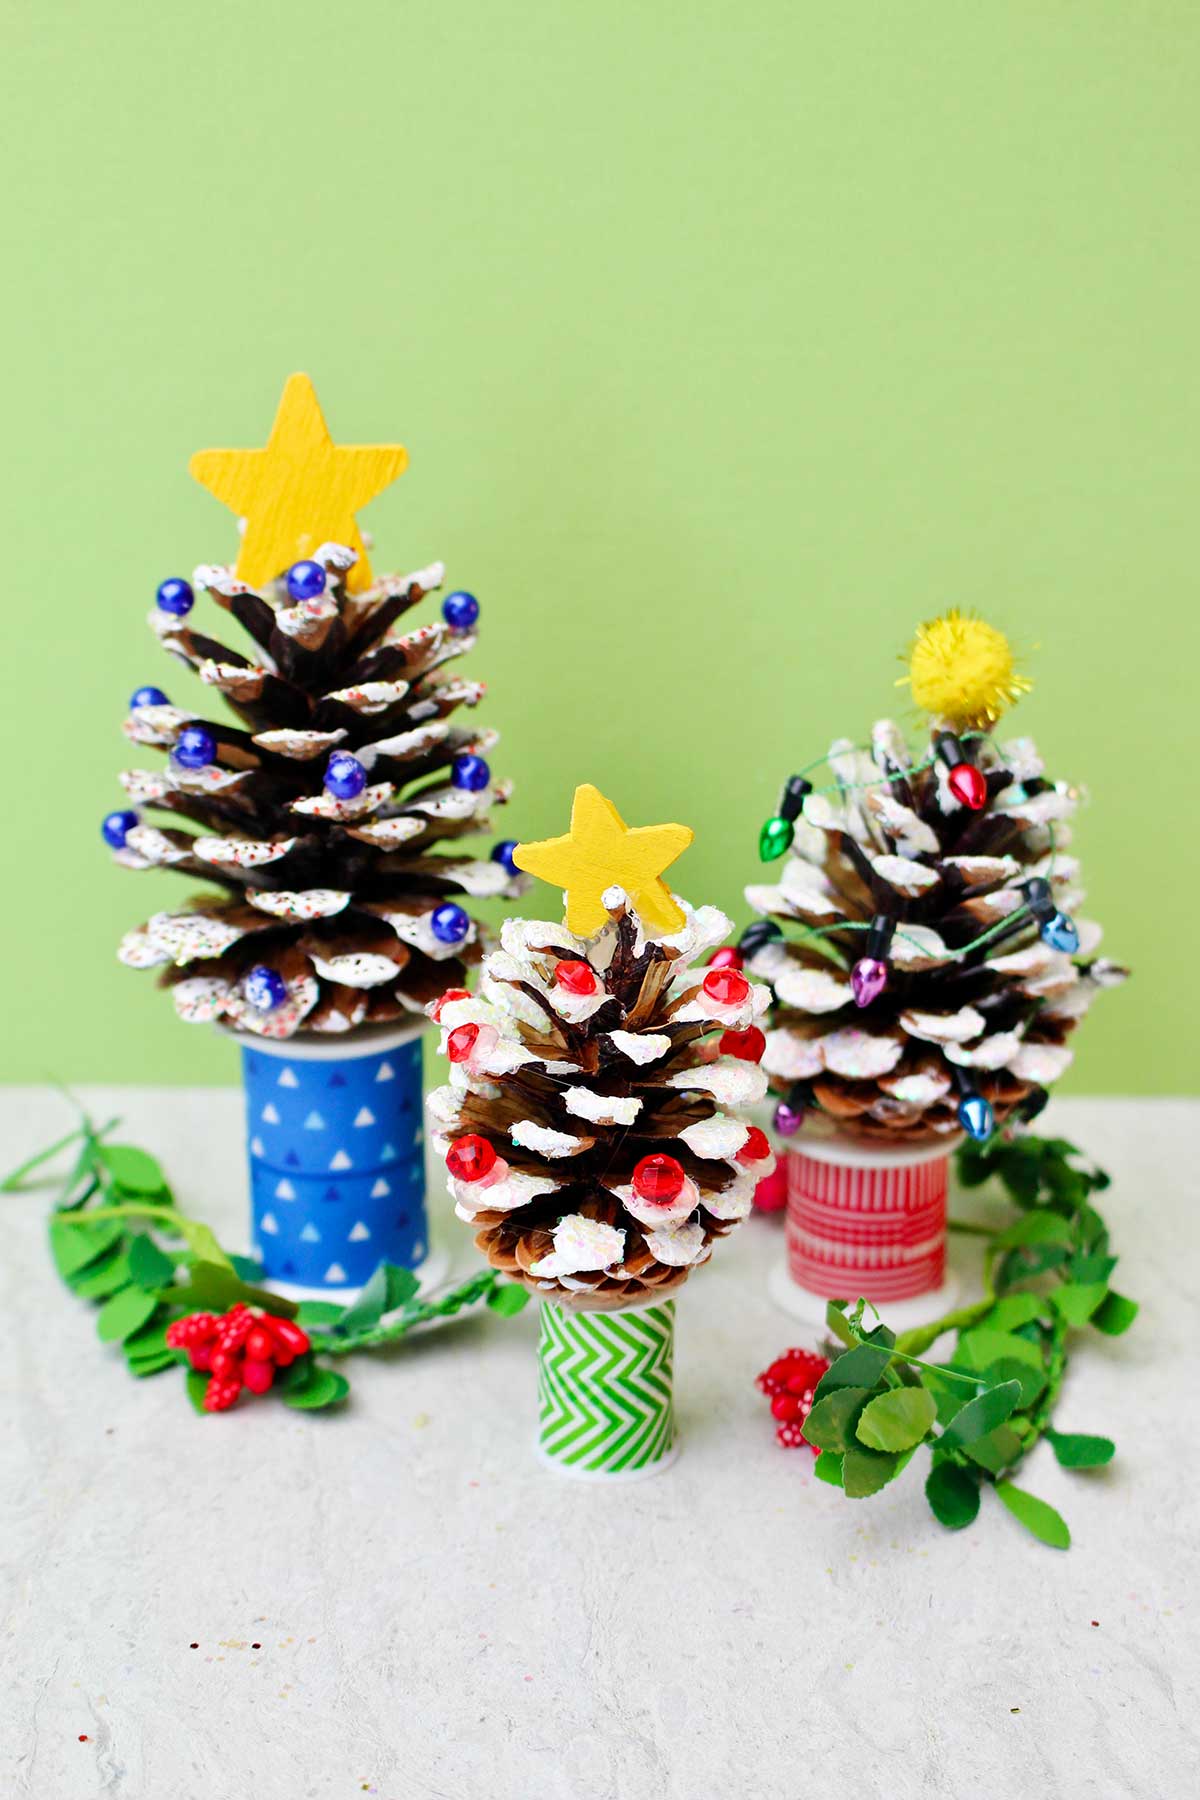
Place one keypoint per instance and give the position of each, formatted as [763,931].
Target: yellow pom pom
[961,670]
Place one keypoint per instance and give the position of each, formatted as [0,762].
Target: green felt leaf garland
[119,1239]
[983,1409]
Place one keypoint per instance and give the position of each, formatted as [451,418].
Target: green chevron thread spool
[605,1391]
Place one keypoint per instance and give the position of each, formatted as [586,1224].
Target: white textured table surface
[438,1616]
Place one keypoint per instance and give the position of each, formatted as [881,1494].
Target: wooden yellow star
[600,851]
[301,490]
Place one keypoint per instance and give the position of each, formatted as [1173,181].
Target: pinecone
[331,912]
[584,1129]
[963,996]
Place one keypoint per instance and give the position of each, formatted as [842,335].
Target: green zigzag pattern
[605,1387]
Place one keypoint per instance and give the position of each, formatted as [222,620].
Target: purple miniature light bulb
[869,976]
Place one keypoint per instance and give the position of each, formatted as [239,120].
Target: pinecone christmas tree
[937,974]
[585,1128]
[325,818]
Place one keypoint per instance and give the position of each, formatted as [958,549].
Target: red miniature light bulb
[659,1179]
[470,1158]
[577,977]
[728,987]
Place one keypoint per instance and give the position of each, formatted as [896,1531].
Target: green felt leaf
[197,1387]
[213,1287]
[319,1312]
[953,1495]
[150,1267]
[296,1375]
[835,1319]
[1114,1314]
[1042,1227]
[948,1394]
[134,1170]
[1030,1380]
[402,1286]
[996,1451]
[828,1467]
[101,1279]
[1012,1310]
[325,1388]
[1077,1301]
[979,1348]
[896,1421]
[981,1415]
[149,1341]
[152,1365]
[864,1472]
[124,1314]
[856,1368]
[1094,1266]
[1037,1516]
[508,1298]
[1076,1450]
[831,1422]
[370,1305]
[246,1268]
[73,1247]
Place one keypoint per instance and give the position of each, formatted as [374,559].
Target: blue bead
[306,580]
[147,696]
[1061,933]
[195,747]
[976,1117]
[502,853]
[450,923]
[175,596]
[460,611]
[264,988]
[115,828]
[470,772]
[345,777]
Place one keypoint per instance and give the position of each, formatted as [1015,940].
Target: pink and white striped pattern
[857,1230]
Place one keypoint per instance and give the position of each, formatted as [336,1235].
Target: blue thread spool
[337,1157]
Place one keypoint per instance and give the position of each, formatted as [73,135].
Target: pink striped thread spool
[866,1221]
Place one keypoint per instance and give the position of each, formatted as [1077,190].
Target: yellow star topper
[301,490]
[600,851]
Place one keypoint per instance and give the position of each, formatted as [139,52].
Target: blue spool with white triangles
[337,1157]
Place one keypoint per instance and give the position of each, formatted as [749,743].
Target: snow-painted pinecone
[337,899]
[585,1129]
[894,842]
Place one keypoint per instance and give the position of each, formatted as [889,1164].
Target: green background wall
[727,341]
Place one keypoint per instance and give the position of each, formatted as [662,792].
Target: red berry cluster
[238,1349]
[789,1384]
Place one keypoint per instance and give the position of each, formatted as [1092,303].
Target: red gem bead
[435,1011]
[220,1395]
[659,1179]
[728,987]
[576,977]
[258,1376]
[748,1045]
[756,1148]
[968,785]
[461,1042]
[470,1158]
[725,958]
